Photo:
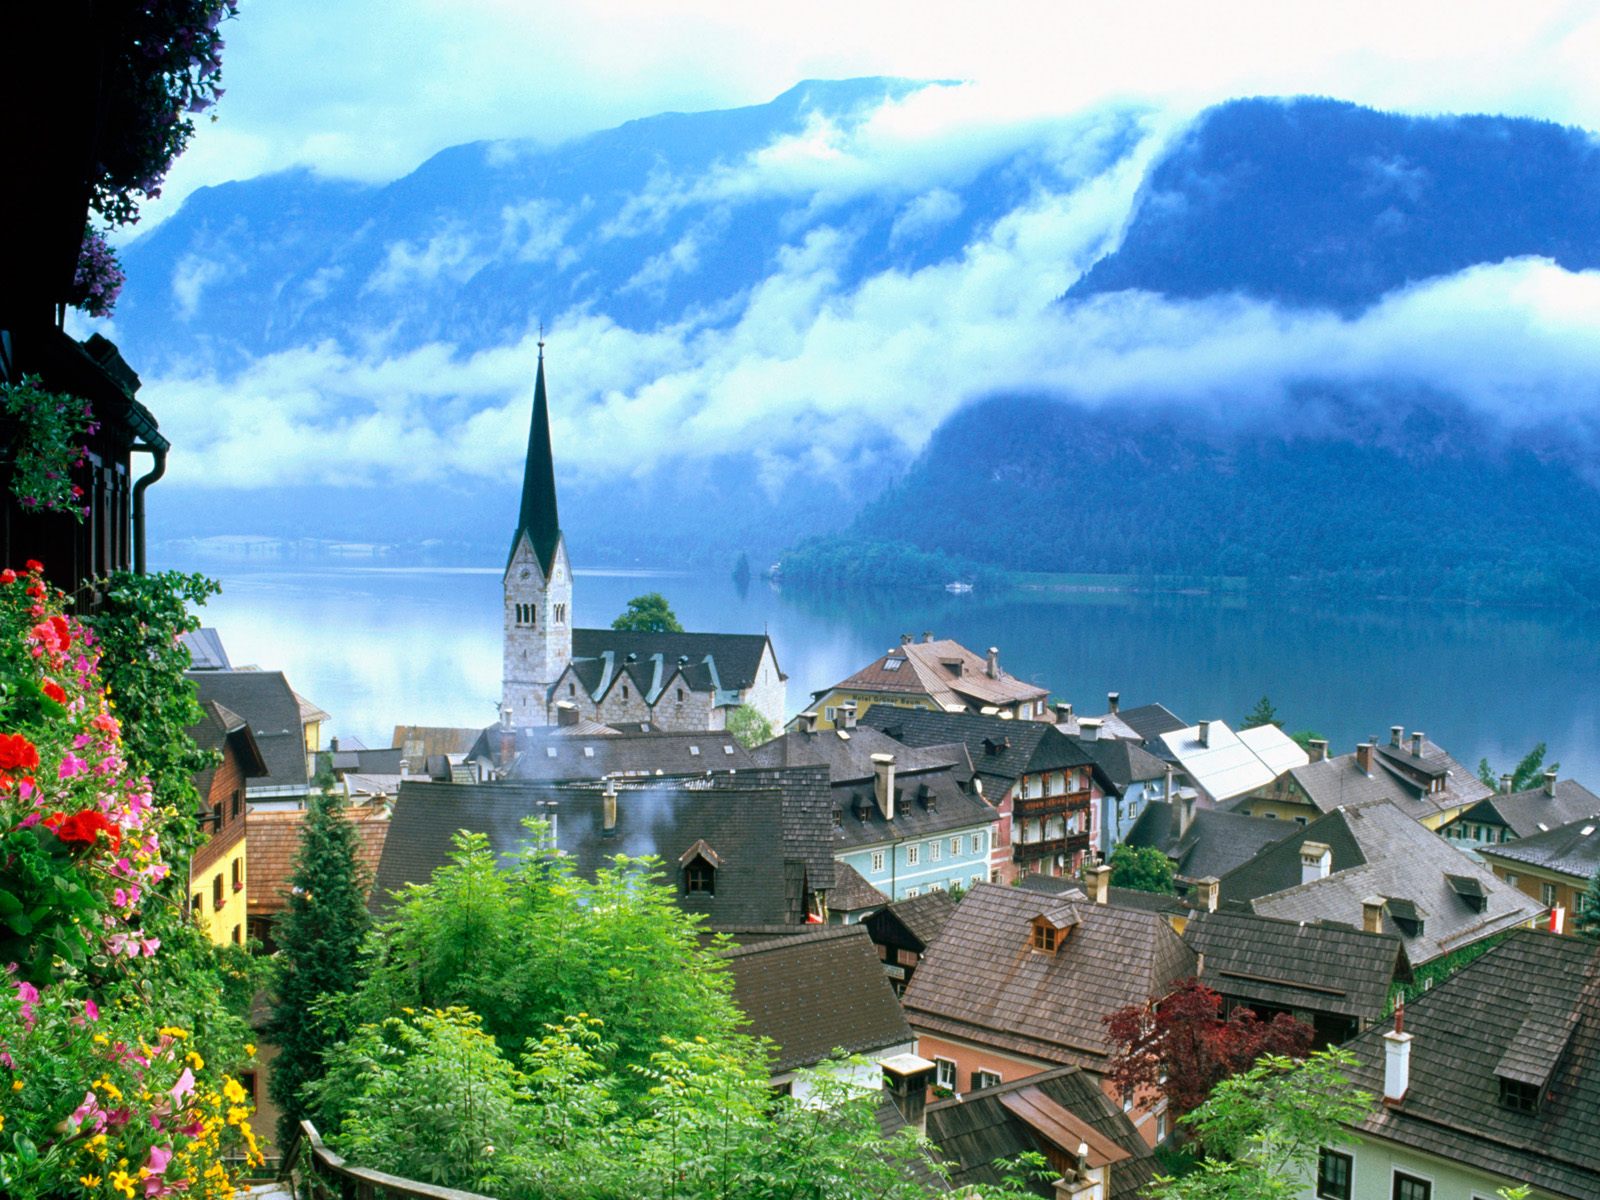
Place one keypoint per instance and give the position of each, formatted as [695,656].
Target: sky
[881,359]
[322,83]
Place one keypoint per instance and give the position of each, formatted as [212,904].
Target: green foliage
[1262,714]
[1587,918]
[841,561]
[48,430]
[138,627]
[1435,971]
[1304,737]
[319,939]
[649,613]
[1526,775]
[1142,868]
[1261,1129]
[749,727]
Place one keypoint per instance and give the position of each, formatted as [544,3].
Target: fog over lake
[377,647]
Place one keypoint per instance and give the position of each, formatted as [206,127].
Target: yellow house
[218,870]
[943,676]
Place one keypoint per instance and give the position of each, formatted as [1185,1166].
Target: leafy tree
[1262,1128]
[1142,868]
[319,940]
[1304,737]
[1527,774]
[749,726]
[1588,915]
[1183,1047]
[1262,714]
[649,613]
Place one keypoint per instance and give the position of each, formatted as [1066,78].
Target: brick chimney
[1416,744]
[1113,702]
[1203,733]
[1319,749]
[566,714]
[1397,1059]
[883,784]
[905,1082]
[1372,914]
[1364,758]
[1549,783]
[1316,861]
[608,810]
[1100,883]
[1205,892]
[993,668]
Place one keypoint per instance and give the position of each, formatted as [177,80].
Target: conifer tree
[319,939]
[1588,915]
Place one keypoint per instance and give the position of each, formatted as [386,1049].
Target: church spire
[538,517]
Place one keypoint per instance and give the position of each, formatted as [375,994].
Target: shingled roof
[1125,763]
[1287,964]
[1050,1113]
[1535,811]
[1001,750]
[220,726]
[952,676]
[269,705]
[1056,885]
[1572,849]
[545,757]
[1528,1010]
[763,837]
[924,917]
[982,979]
[847,753]
[735,658]
[1396,775]
[274,840]
[1215,843]
[928,802]
[851,892]
[816,993]
[1377,850]
[1150,721]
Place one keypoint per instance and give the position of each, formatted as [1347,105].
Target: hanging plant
[48,431]
[98,280]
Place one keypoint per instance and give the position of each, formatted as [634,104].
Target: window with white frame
[977,843]
[935,851]
[955,847]
[1411,1187]
[985,1079]
[1333,1175]
[944,1074]
[912,854]
[877,860]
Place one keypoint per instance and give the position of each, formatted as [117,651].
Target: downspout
[159,452]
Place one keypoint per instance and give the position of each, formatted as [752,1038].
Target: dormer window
[1045,936]
[700,863]
[1519,1096]
[1406,916]
[1049,930]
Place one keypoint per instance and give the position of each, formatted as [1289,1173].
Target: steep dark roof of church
[737,656]
[538,518]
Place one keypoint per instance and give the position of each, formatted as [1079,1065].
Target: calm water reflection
[380,647]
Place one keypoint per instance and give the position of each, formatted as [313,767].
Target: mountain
[762,319]
[1399,494]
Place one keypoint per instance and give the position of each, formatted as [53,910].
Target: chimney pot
[1372,914]
[1089,729]
[1505,785]
[1203,733]
[1364,758]
[846,715]
[1319,749]
[1397,734]
[1416,744]
[1549,783]
[905,1081]
[1100,883]
[1113,701]
[994,662]
[1316,861]
[883,783]
[927,635]
[608,810]
[1185,815]
[905,639]
[333,745]
[1206,892]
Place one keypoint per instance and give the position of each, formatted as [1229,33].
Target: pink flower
[71,765]
[29,995]
[91,1010]
[183,1087]
[88,1111]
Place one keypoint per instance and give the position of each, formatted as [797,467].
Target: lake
[377,647]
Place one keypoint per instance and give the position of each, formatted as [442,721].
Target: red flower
[8,576]
[33,564]
[63,631]
[84,827]
[55,691]
[17,753]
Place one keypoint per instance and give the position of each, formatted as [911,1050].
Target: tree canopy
[1262,714]
[649,613]
[1526,775]
[1142,868]
[749,726]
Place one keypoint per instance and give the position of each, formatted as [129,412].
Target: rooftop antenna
[541,337]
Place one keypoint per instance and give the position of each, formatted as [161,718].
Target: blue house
[907,820]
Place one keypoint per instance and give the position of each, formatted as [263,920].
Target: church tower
[538,585]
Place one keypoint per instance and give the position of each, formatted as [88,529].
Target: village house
[902,933]
[1371,866]
[1493,1081]
[1202,842]
[219,869]
[907,820]
[287,729]
[1133,778]
[936,675]
[1331,977]
[1554,867]
[747,850]
[1414,774]
[1018,983]
[275,842]
[1096,886]
[550,753]
[1224,766]
[815,995]
[1044,786]
[1507,815]
[674,681]
[1052,1113]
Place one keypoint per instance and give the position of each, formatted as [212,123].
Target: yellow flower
[232,1090]
[89,1181]
[123,1182]
[249,1049]
[196,1061]
[172,1031]
[2,1120]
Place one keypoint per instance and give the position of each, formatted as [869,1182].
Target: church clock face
[526,573]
